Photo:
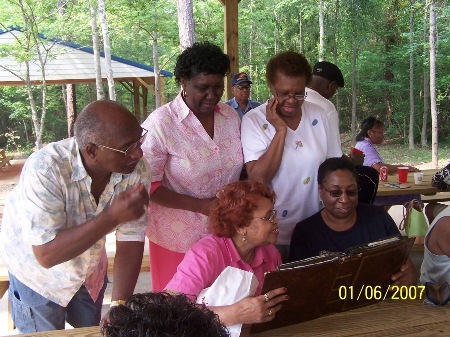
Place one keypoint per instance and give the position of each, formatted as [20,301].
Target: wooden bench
[145,265]
[438,197]
[4,284]
[4,160]
[4,281]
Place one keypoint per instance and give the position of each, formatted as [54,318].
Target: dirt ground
[9,177]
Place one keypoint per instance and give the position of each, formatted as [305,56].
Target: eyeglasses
[377,131]
[286,96]
[131,148]
[243,87]
[270,218]
[338,193]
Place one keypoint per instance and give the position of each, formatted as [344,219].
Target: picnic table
[386,318]
[4,159]
[430,193]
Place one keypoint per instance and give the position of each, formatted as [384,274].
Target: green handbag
[414,221]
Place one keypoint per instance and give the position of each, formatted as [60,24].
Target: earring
[243,238]
[183,93]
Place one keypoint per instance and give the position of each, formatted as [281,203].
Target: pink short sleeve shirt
[186,160]
[204,262]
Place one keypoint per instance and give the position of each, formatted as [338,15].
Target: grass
[391,153]
[395,151]
[419,157]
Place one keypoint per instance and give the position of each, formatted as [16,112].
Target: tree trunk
[434,120]
[107,47]
[426,84]
[276,33]
[156,70]
[411,78]
[95,47]
[321,29]
[300,31]
[354,59]
[335,55]
[186,27]
[71,108]
[32,41]
[252,37]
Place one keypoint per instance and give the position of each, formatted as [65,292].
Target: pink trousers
[163,265]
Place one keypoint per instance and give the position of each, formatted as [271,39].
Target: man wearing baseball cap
[241,86]
[326,79]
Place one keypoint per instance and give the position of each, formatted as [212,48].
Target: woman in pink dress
[193,148]
[244,228]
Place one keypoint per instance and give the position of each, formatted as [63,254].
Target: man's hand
[69,243]
[130,204]
[358,159]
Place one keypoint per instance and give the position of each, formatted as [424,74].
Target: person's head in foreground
[162,314]
[373,129]
[338,187]
[200,70]
[326,79]
[287,74]
[244,212]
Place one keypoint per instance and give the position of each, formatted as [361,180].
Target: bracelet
[116,303]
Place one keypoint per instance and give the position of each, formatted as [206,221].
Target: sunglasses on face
[243,87]
[338,193]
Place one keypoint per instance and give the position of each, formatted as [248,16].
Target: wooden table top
[425,188]
[93,331]
[387,318]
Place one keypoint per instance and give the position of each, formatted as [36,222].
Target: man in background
[70,195]
[241,87]
[326,79]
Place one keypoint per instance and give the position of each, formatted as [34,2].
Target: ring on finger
[266,297]
[270,312]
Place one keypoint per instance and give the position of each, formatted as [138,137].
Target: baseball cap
[329,71]
[239,78]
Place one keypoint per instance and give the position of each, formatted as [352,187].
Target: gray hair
[90,127]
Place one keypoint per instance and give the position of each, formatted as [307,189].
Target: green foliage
[378,29]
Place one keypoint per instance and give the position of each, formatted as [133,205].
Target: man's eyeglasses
[286,96]
[130,148]
[270,218]
[338,193]
[243,87]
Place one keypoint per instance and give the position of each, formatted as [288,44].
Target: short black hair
[162,314]
[201,58]
[333,164]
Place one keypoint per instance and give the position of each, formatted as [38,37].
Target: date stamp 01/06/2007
[375,293]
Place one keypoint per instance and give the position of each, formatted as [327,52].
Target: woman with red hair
[244,229]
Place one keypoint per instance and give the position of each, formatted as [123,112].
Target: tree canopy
[376,32]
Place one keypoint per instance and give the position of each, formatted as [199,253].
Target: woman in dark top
[343,223]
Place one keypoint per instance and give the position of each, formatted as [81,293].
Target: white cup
[418,178]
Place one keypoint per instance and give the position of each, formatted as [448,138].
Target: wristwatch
[116,303]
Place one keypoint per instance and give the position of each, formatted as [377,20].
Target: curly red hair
[235,205]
